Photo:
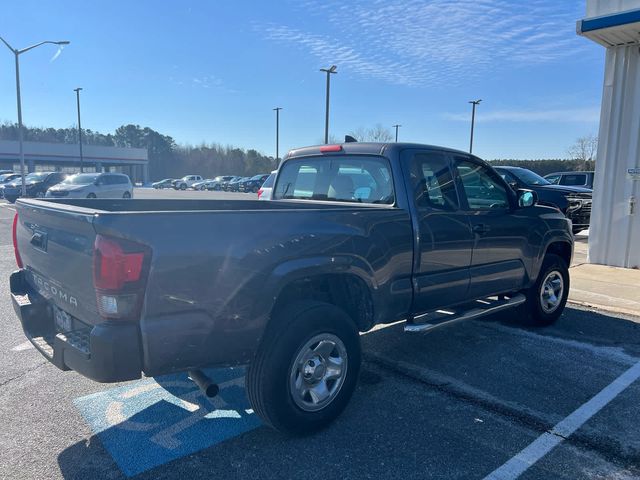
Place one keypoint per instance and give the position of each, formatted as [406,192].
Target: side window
[573,179]
[432,182]
[553,179]
[483,190]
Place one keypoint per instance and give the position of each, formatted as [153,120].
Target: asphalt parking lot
[485,399]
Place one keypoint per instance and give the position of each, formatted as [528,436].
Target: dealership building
[63,157]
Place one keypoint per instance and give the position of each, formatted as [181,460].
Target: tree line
[169,159]
[166,157]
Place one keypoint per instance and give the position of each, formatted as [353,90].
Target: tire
[126,195]
[40,195]
[541,309]
[92,195]
[183,186]
[216,187]
[293,334]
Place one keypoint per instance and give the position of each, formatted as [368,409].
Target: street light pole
[17,53]
[277,110]
[77,90]
[396,127]
[475,103]
[328,71]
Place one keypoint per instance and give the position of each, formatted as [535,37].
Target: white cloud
[418,42]
[579,115]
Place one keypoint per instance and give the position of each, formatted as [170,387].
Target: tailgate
[55,242]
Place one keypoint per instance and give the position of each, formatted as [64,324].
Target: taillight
[14,236]
[120,269]
[260,192]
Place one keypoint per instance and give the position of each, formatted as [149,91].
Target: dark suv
[574,202]
[37,184]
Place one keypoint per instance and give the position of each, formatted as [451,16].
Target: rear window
[358,179]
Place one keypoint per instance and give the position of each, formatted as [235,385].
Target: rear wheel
[92,195]
[547,298]
[306,368]
[126,195]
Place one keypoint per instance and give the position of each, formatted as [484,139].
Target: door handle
[480,228]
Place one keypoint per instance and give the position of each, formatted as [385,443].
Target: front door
[444,240]
[500,232]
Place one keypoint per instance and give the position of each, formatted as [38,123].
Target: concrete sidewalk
[599,286]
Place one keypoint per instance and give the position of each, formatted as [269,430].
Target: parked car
[93,185]
[6,172]
[224,185]
[384,233]
[234,185]
[253,184]
[166,183]
[265,190]
[574,202]
[574,179]
[6,178]
[186,182]
[202,185]
[216,183]
[37,184]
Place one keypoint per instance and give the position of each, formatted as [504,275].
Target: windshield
[528,177]
[81,179]
[36,177]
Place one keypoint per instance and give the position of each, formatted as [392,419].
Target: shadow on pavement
[402,422]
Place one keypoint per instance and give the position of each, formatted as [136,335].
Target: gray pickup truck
[356,235]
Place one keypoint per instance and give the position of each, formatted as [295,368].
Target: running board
[480,308]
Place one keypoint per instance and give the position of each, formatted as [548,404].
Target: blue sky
[212,71]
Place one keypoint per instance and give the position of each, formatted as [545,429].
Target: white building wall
[614,235]
[595,8]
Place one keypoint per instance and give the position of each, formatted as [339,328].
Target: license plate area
[62,320]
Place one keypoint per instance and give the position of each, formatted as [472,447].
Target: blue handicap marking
[153,421]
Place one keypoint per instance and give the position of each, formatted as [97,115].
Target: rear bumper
[109,352]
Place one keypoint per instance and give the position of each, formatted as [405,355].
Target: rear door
[445,242]
[500,232]
[56,246]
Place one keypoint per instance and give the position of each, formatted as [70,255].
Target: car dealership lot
[460,402]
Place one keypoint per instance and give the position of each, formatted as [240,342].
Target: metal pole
[328,71]
[20,133]
[326,118]
[277,110]
[396,127]
[474,103]
[77,90]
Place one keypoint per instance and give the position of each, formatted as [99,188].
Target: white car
[267,187]
[93,185]
[216,183]
[186,182]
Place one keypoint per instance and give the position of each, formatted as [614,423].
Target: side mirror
[527,198]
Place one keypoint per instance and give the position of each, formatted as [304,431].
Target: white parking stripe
[517,465]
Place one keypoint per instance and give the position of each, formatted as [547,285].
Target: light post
[396,127]
[77,90]
[475,103]
[277,110]
[329,71]
[17,53]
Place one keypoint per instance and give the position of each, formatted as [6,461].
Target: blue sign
[151,422]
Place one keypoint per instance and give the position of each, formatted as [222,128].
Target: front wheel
[547,298]
[306,368]
[91,195]
[126,195]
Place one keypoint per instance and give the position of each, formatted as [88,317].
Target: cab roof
[365,148]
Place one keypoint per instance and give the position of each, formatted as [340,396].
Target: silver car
[93,185]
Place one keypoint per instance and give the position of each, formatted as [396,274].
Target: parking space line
[546,442]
